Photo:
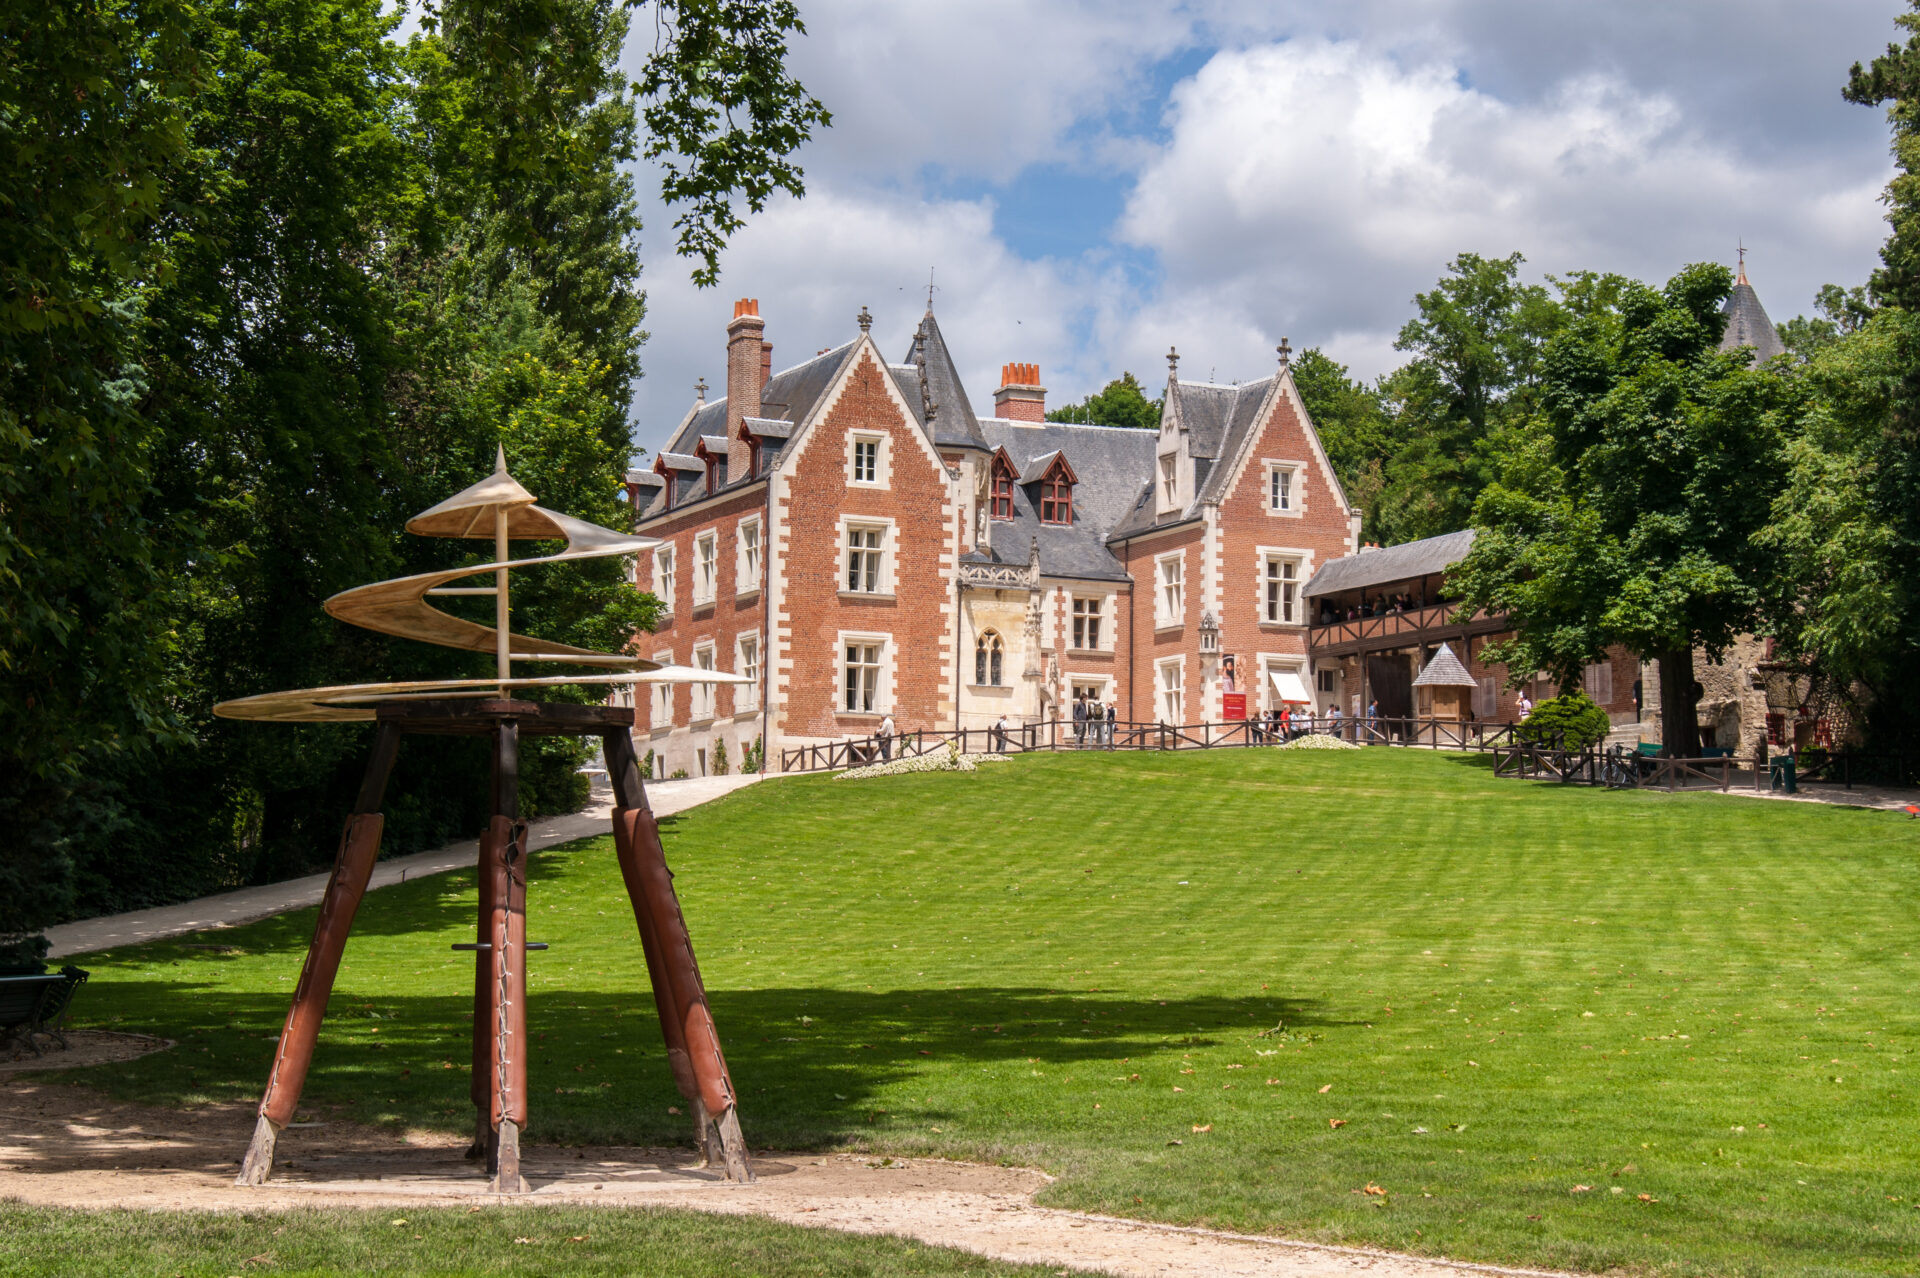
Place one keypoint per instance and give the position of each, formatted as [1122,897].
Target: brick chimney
[748,358]
[1021,397]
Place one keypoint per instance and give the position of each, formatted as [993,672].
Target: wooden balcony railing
[1432,624]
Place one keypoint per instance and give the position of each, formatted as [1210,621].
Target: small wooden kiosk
[1449,686]
[498,509]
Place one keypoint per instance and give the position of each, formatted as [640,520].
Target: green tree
[1121,402]
[1354,426]
[92,132]
[1840,312]
[1636,527]
[1470,389]
[289,281]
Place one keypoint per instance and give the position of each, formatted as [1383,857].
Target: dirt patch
[84,1047]
[69,1147]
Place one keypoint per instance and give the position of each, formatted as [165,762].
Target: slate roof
[1748,325]
[1394,563]
[1112,463]
[1445,671]
[790,396]
[1216,420]
[954,425]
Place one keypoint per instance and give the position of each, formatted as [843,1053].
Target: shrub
[1572,713]
[646,767]
[754,757]
[679,774]
[720,764]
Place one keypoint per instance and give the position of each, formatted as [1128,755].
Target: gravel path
[69,1147]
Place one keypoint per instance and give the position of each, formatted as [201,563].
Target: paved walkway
[244,906]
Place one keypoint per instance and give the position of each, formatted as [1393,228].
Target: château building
[850,534]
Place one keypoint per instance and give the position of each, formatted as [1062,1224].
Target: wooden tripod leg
[678,965]
[630,800]
[352,867]
[507,941]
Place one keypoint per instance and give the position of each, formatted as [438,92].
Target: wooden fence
[1126,734]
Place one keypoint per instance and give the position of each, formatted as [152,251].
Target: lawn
[534,1242]
[1555,1026]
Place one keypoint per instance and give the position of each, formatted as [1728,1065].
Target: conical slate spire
[1747,322]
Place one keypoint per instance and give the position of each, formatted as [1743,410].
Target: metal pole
[502,661]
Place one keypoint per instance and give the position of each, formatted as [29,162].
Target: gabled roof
[1406,562]
[679,461]
[1109,464]
[1036,469]
[766,427]
[1748,325]
[1217,420]
[1445,671]
[715,444]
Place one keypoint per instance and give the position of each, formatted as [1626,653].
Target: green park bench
[34,1005]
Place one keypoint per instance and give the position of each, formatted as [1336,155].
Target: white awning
[1288,686]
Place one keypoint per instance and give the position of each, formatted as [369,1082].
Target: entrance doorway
[1390,682]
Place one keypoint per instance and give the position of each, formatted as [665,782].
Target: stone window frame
[746,696]
[706,567]
[1170,694]
[703,696]
[1100,616]
[664,581]
[989,659]
[883,682]
[1302,560]
[1296,472]
[884,577]
[882,459]
[1269,663]
[747,565]
[662,703]
[1163,619]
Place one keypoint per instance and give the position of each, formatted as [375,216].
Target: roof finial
[500,459]
[1286,352]
[864,319]
[1743,261]
[700,391]
[929,290]
[1173,364]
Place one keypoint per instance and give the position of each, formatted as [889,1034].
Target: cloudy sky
[1092,181]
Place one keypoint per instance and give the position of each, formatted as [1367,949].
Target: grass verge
[1555,1026]
[547,1242]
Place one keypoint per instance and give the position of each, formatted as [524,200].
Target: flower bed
[948,760]
[1318,741]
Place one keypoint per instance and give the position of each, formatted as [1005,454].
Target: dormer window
[716,472]
[1169,479]
[753,456]
[1000,503]
[1056,493]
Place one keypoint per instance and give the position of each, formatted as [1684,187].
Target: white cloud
[1310,187]
[1314,170]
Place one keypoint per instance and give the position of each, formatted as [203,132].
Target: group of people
[1093,722]
[1379,606]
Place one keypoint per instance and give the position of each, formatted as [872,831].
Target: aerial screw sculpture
[498,509]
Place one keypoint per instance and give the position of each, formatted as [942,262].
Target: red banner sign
[1233,705]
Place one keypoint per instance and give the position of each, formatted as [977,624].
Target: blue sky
[1092,182]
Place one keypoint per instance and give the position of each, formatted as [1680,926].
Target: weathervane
[498,509]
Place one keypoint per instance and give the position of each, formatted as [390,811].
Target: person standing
[1000,733]
[1080,721]
[1333,719]
[885,738]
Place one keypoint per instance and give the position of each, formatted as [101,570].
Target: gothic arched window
[987,651]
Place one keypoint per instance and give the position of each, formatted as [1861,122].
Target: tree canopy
[1121,402]
[275,279]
